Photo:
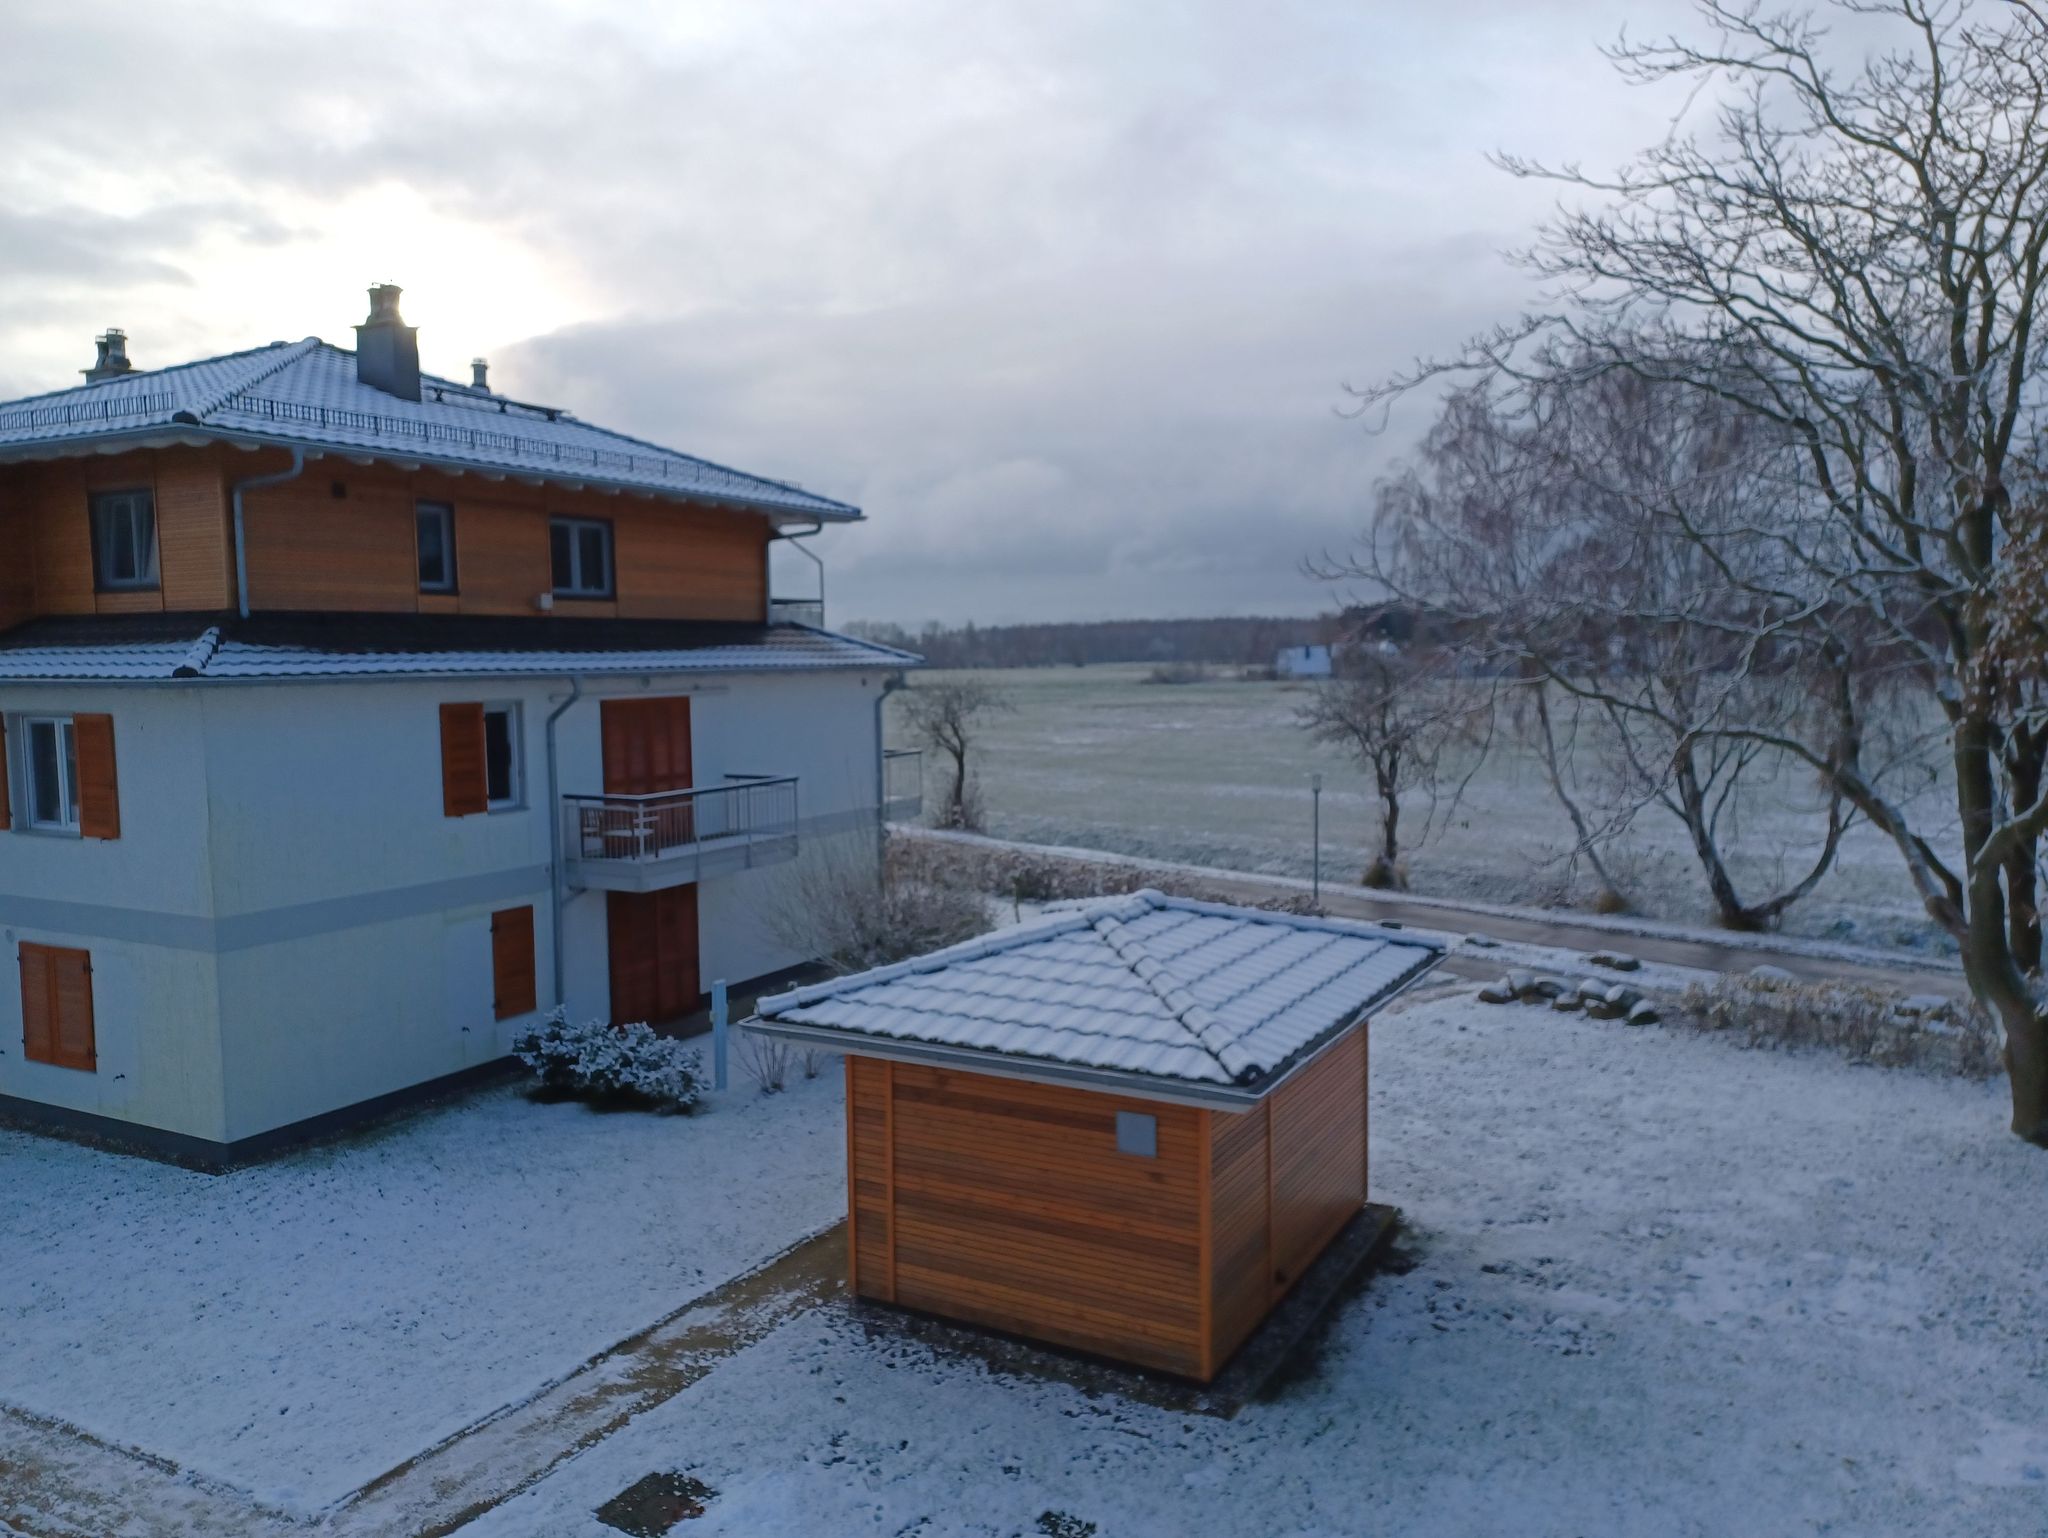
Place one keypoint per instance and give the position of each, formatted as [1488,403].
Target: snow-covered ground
[1662,1285]
[297,1329]
[1217,773]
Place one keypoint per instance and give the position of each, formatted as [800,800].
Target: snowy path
[1663,1285]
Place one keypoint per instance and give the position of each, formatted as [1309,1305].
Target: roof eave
[197,434]
[1138,1086]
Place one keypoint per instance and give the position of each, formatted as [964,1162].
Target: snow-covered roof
[173,648]
[1152,992]
[306,394]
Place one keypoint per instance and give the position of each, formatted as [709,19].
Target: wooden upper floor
[153,530]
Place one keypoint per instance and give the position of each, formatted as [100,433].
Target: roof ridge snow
[196,660]
[134,376]
[287,355]
[1195,1017]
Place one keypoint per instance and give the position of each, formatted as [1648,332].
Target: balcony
[648,843]
[797,611]
[902,783]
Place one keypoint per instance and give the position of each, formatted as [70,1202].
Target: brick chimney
[479,374]
[113,356]
[387,349]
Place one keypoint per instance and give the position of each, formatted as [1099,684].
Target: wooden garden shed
[1126,1128]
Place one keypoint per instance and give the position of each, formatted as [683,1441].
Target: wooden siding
[1006,1204]
[311,550]
[195,538]
[1241,1270]
[867,1177]
[1317,1149]
[1284,1179]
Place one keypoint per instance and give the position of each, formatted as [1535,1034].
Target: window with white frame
[436,523]
[124,540]
[582,553]
[502,788]
[49,774]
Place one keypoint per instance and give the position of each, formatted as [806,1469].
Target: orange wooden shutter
[56,1007]
[512,962]
[464,791]
[6,810]
[72,973]
[38,1005]
[99,794]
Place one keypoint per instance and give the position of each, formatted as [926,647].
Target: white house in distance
[354,716]
[1302,662]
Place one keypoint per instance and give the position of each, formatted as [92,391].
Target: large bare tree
[1852,251]
[1546,528]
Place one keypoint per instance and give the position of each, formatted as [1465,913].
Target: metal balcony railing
[645,843]
[797,611]
[902,783]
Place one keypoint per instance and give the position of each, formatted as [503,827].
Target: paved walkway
[58,1482]
[1671,944]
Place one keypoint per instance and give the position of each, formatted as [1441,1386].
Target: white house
[352,717]
[1302,662]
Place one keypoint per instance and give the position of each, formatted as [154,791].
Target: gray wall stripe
[301,921]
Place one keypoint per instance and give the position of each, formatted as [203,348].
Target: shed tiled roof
[170,647]
[306,394]
[1145,986]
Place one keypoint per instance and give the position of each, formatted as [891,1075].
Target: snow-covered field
[1661,1285]
[297,1329]
[1217,773]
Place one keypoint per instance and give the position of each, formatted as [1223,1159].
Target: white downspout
[555,835]
[254,482]
[889,686]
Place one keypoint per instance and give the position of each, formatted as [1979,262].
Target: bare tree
[1544,527]
[949,716]
[1396,712]
[1854,253]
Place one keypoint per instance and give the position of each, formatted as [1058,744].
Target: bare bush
[837,908]
[765,1060]
[1868,1024]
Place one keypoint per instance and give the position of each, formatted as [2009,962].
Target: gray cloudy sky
[1064,294]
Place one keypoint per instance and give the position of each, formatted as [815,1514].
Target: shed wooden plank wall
[1286,1177]
[1013,1209]
[311,550]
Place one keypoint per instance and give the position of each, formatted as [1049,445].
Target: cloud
[1064,294]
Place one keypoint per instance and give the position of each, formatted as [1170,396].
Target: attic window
[436,521]
[581,549]
[1137,1134]
[124,540]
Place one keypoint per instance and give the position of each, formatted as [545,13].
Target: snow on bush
[617,1065]
[1869,1024]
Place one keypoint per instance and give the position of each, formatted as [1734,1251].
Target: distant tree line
[1235,640]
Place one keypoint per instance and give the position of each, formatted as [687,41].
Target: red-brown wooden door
[653,954]
[653,935]
[647,752]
